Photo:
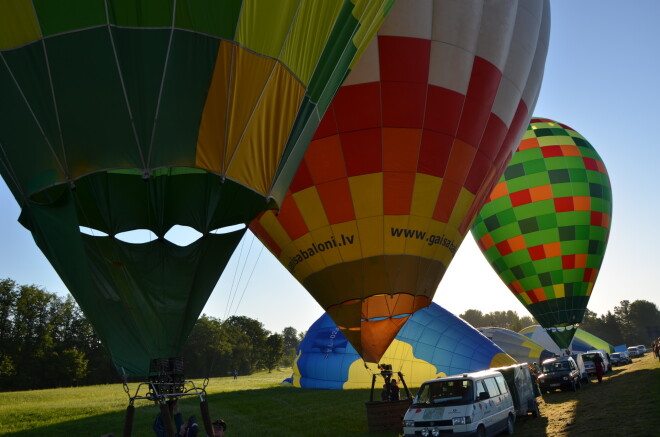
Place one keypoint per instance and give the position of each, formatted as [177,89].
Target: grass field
[626,404]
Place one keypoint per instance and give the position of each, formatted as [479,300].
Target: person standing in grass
[598,363]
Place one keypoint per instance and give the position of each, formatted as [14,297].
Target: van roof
[471,375]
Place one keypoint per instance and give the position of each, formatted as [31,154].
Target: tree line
[630,323]
[46,341]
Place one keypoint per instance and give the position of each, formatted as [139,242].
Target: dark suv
[559,373]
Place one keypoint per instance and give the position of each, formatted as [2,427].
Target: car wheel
[573,386]
[510,425]
[481,431]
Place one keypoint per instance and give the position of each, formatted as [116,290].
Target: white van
[477,404]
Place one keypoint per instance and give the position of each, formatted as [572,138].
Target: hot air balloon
[545,226]
[404,158]
[582,341]
[521,348]
[124,115]
[432,343]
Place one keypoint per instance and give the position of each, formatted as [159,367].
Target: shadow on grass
[272,411]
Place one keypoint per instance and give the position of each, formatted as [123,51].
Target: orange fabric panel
[446,200]
[212,129]
[582,203]
[397,192]
[401,149]
[528,143]
[517,243]
[552,249]
[544,192]
[460,161]
[325,160]
[337,201]
[500,190]
[570,150]
[377,336]
[291,219]
[580,260]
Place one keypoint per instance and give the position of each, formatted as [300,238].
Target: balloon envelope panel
[521,348]
[404,158]
[432,343]
[546,224]
[121,115]
[582,341]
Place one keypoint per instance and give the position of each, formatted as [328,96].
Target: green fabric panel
[144,13]
[517,184]
[28,146]
[189,71]
[578,175]
[210,17]
[301,135]
[507,217]
[67,15]
[572,217]
[563,190]
[141,56]
[335,59]
[264,26]
[96,136]
[541,237]
[538,179]
[534,166]
[547,221]
[142,299]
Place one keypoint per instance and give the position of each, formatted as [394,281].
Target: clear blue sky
[602,78]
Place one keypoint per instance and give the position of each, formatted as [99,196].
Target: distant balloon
[118,116]
[582,341]
[521,348]
[546,225]
[414,141]
[432,343]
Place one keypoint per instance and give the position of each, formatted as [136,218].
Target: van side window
[491,386]
[501,384]
[480,387]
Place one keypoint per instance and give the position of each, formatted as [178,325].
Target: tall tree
[272,351]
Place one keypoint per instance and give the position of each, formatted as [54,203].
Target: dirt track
[626,404]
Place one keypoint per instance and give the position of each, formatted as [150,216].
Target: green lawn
[251,405]
[626,404]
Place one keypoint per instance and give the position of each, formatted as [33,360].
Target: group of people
[390,391]
[190,428]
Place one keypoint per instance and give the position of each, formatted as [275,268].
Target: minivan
[589,364]
[477,403]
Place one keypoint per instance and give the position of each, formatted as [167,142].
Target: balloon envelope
[412,144]
[123,115]
[432,343]
[582,341]
[546,224]
[521,348]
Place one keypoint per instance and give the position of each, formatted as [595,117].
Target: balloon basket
[387,415]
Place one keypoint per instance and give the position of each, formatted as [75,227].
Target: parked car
[559,373]
[642,349]
[620,358]
[589,364]
[633,352]
[584,375]
[472,403]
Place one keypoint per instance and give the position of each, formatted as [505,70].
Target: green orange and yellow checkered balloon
[546,224]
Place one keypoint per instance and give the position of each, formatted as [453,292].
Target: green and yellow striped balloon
[119,115]
[546,224]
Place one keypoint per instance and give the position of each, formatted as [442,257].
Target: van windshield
[453,392]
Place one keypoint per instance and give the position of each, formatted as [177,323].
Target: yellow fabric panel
[307,266]
[402,358]
[370,236]
[244,95]
[367,12]
[524,298]
[425,194]
[311,208]
[327,245]
[556,140]
[502,360]
[559,290]
[394,245]
[261,148]
[367,194]
[296,371]
[18,24]
[276,231]
[463,203]
[440,231]
[350,249]
[590,288]
[212,130]
[534,349]
[309,34]
[264,25]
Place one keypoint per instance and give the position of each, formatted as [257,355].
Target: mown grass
[626,404]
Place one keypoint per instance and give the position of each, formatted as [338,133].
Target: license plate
[555,385]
